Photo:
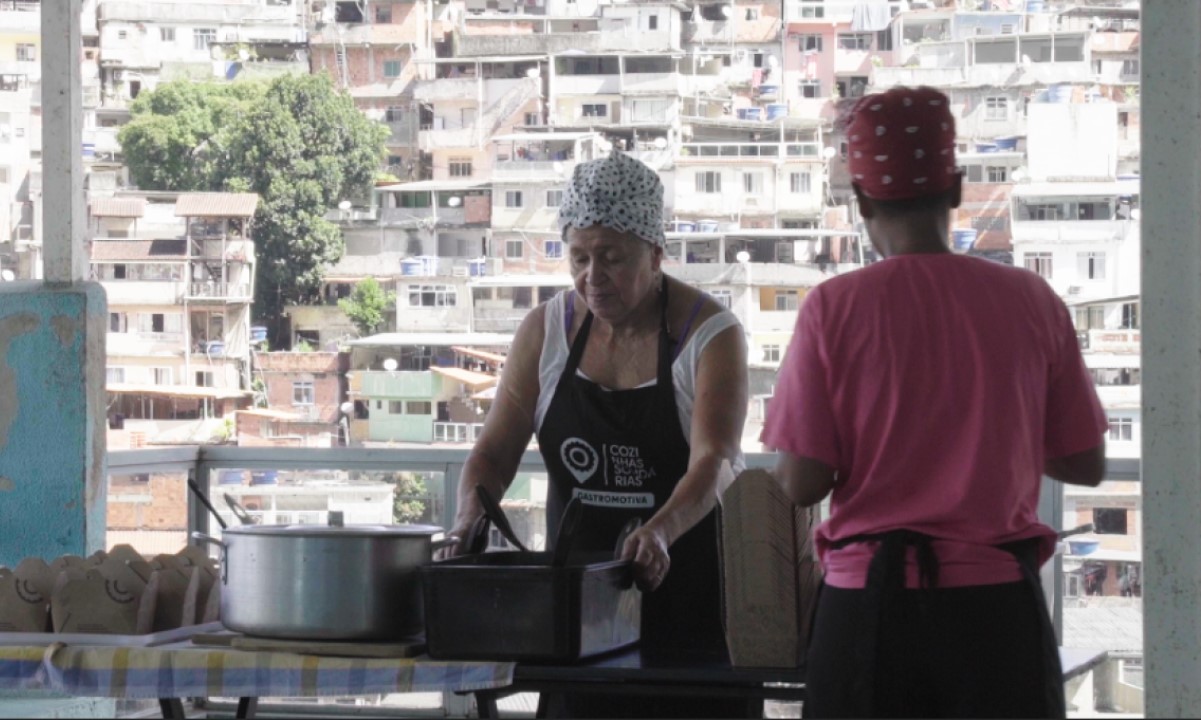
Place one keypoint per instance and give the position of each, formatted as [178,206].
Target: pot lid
[357,531]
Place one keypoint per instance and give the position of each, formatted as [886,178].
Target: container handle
[210,540]
[448,541]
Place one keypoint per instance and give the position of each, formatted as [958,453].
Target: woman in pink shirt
[929,393]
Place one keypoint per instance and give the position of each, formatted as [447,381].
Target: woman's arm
[496,455]
[718,416]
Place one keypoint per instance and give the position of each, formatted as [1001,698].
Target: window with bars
[996,108]
[166,34]
[302,392]
[708,182]
[432,296]
[787,300]
[553,249]
[1090,265]
[1121,429]
[723,297]
[854,41]
[392,68]
[554,198]
[997,173]
[514,249]
[394,114]
[1039,263]
[771,353]
[752,183]
[809,89]
[800,182]
[811,43]
[460,167]
[203,37]
[513,199]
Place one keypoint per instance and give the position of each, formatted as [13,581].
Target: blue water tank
[986,147]
[1007,143]
[707,226]
[258,333]
[214,347]
[962,240]
[229,477]
[1059,94]
[476,268]
[411,267]
[775,111]
[1035,6]
[685,226]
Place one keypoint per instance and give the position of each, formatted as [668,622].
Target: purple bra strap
[569,315]
[688,326]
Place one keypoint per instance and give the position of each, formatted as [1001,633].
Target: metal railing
[701,150]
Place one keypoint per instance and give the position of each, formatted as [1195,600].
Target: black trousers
[971,652]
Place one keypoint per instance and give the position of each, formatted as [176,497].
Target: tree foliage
[296,141]
[367,305]
[408,505]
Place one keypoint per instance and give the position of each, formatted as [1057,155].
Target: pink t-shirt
[936,386]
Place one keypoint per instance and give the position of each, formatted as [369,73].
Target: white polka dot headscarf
[618,192]
[901,143]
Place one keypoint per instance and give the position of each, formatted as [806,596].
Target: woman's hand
[461,532]
[647,548]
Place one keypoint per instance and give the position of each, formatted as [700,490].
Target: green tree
[408,504]
[296,141]
[366,306]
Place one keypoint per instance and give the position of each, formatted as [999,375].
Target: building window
[162,375]
[118,322]
[513,199]
[801,182]
[752,13]
[996,108]
[1121,429]
[1111,521]
[723,298]
[418,407]
[554,249]
[842,149]
[514,249]
[771,353]
[1130,316]
[460,167]
[554,198]
[1130,69]
[595,109]
[652,22]
[394,114]
[884,40]
[114,375]
[809,88]
[122,35]
[533,119]
[383,14]
[752,183]
[396,407]
[392,68]
[854,41]
[1039,263]
[1090,265]
[852,87]
[811,43]
[204,378]
[787,300]
[708,182]
[203,37]
[302,392]
[166,34]
[997,173]
[27,52]
[432,296]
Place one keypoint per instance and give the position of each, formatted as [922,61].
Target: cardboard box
[770,574]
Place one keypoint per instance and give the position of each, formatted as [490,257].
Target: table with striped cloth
[182,670]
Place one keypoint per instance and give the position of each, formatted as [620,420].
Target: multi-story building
[179,310]
[423,387]
[20,139]
[143,43]
[303,394]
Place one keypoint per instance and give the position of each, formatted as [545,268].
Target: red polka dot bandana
[901,143]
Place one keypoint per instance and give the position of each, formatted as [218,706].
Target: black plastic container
[515,606]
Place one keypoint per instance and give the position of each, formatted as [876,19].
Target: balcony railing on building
[743,151]
[452,432]
[219,291]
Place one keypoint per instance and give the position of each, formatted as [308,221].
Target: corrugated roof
[119,207]
[216,205]
[480,354]
[178,391]
[467,377]
[139,250]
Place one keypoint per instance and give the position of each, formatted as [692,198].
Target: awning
[178,391]
[480,354]
[216,205]
[543,136]
[467,377]
[432,185]
[119,207]
[485,394]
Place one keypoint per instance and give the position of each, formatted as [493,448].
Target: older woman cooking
[635,385]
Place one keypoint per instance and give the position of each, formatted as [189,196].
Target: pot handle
[210,540]
[448,541]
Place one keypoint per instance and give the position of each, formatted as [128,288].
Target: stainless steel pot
[311,582]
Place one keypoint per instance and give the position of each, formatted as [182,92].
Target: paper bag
[172,583]
[114,598]
[24,597]
[769,574]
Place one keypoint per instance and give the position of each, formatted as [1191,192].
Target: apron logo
[580,458]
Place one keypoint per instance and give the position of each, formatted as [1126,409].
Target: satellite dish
[660,143]
[727,10]
[772,62]
[743,256]
[9,276]
[1135,214]
[558,167]
[345,205]
[454,201]
[534,72]
[346,408]
[828,152]
[390,364]
[243,54]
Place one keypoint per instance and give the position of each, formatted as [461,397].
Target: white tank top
[683,371]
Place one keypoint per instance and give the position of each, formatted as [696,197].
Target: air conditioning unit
[1007,29]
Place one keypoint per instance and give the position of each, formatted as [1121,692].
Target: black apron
[622,452]
[886,578]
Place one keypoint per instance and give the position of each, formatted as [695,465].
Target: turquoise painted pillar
[52,420]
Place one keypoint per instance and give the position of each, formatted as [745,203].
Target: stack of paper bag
[769,573]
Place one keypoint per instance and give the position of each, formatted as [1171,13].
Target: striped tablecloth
[187,671]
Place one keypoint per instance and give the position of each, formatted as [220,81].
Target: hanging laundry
[756,77]
[871,16]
